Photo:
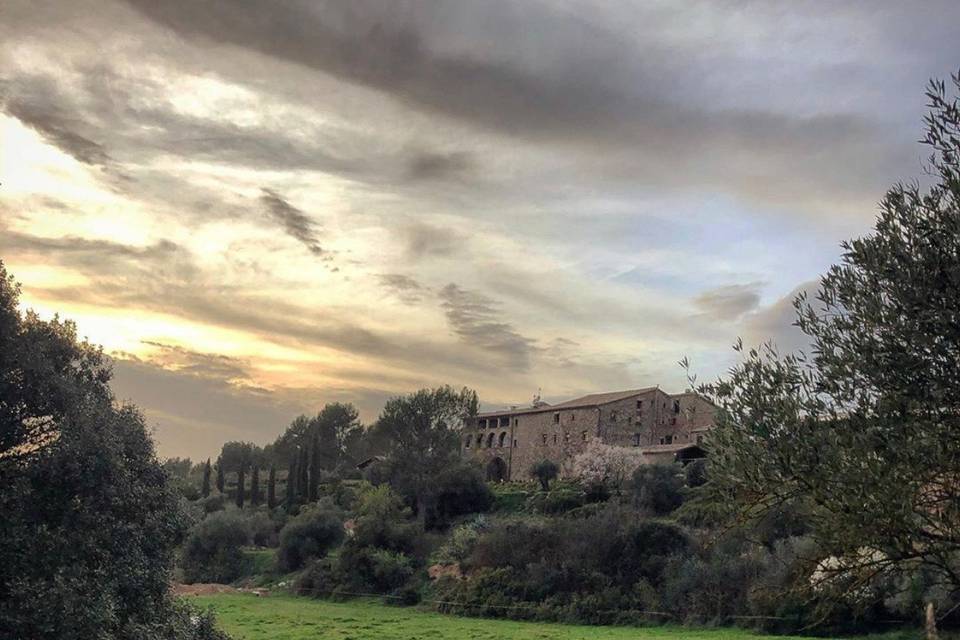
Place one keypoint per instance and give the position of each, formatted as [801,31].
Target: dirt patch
[206,589]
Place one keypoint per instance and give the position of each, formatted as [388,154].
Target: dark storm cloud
[478,321]
[585,85]
[294,221]
[731,301]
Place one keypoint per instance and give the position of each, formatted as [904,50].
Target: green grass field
[248,617]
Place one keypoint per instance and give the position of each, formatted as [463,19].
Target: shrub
[263,530]
[555,502]
[309,535]
[213,549]
[545,471]
[382,521]
[658,488]
[696,473]
[459,490]
[213,504]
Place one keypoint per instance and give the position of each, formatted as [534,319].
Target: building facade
[664,426]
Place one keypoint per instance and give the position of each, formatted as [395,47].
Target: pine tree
[255,486]
[221,482]
[240,488]
[313,487]
[206,479]
[291,492]
[272,488]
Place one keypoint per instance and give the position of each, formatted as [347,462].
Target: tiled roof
[591,400]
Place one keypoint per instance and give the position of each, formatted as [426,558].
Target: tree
[303,475]
[606,465]
[221,481]
[240,487]
[255,486]
[272,488]
[863,431]
[291,486]
[89,520]
[313,484]
[205,491]
[423,429]
[46,373]
[545,471]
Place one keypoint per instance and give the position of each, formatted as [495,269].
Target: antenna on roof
[536,398]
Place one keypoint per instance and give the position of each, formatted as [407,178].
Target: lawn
[248,617]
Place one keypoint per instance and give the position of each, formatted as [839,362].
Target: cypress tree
[291,493]
[313,488]
[272,488]
[255,486]
[240,488]
[206,479]
[302,475]
[221,482]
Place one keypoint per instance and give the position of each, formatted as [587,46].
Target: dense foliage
[88,518]
[863,431]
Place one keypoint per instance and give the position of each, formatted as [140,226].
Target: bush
[309,535]
[658,488]
[555,502]
[212,504]
[213,549]
[545,471]
[263,530]
[382,521]
[459,490]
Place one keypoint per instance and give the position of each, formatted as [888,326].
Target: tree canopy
[863,431]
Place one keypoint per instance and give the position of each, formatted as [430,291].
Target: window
[613,415]
[516,421]
[514,444]
[466,443]
[639,405]
[556,418]
[573,417]
[676,406]
[636,439]
[505,421]
[554,438]
[503,437]
[544,439]
[483,423]
[479,440]
[583,436]
[666,440]
[566,437]
[490,440]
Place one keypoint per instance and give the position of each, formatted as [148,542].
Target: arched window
[490,440]
[479,440]
[503,437]
[467,441]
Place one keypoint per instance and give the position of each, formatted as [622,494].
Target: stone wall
[526,436]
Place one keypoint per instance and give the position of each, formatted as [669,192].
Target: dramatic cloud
[257,207]
[478,321]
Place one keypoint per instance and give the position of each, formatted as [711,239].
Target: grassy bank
[291,618]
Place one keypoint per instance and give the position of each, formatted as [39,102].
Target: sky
[260,207]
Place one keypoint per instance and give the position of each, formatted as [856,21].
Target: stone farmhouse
[666,427]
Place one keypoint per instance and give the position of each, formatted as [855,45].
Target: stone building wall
[523,437]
